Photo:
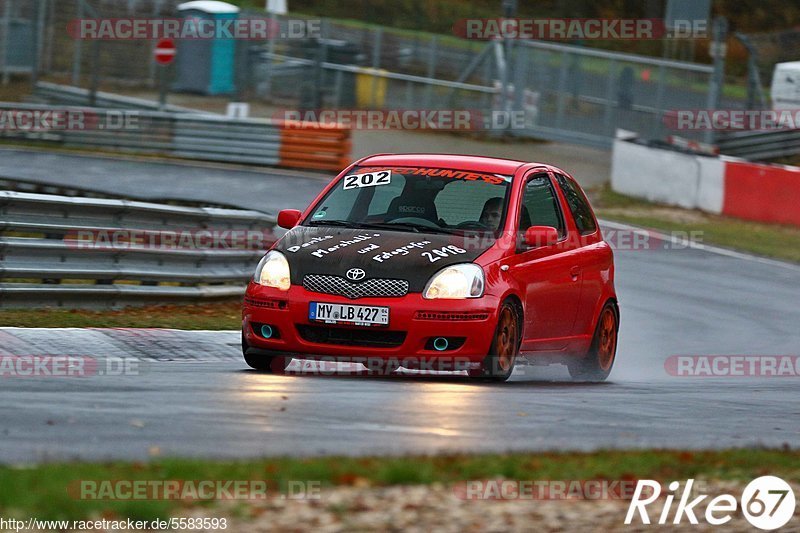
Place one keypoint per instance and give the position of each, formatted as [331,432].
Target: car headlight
[273,271]
[456,282]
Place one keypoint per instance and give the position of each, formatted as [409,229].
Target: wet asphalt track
[194,397]
[262,189]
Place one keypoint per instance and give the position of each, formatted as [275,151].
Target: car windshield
[415,199]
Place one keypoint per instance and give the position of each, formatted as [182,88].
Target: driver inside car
[492,213]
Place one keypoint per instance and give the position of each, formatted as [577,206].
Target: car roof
[475,163]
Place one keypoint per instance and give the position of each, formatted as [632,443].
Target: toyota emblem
[356,274]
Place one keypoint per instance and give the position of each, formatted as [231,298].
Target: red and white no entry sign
[165,51]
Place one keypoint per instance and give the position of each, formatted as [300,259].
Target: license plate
[360,315]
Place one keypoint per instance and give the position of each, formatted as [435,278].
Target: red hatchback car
[442,262]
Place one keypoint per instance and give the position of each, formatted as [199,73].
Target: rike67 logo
[767,502]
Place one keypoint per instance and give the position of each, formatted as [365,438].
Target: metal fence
[90,252]
[41,26]
[567,92]
[774,47]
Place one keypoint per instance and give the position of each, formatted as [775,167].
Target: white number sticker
[370,179]
[446,251]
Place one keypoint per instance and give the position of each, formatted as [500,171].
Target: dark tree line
[439,15]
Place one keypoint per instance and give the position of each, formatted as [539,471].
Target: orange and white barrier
[315,146]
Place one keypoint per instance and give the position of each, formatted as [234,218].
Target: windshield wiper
[340,223]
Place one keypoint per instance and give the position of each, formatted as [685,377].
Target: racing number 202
[446,251]
[370,179]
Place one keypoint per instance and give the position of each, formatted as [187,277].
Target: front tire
[597,364]
[499,364]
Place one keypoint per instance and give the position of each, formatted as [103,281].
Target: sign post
[164,54]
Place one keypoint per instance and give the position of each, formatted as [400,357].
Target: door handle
[575,272]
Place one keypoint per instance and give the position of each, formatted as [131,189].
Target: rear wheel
[597,364]
[271,364]
[499,364]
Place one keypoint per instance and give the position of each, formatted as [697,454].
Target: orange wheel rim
[607,343]
[506,339]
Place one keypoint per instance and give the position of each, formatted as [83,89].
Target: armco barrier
[60,95]
[195,136]
[720,185]
[90,252]
[760,145]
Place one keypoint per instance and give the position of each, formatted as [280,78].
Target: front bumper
[413,324]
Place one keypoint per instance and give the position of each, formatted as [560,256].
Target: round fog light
[440,344]
[266,331]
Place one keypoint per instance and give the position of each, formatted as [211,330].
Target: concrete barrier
[719,185]
[661,176]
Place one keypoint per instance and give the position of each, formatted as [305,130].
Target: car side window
[540,206]
[464,201]
[578,205]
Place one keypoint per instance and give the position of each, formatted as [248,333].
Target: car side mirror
[288,218]
[540,236]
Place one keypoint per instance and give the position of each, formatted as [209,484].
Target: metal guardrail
[32,185]
[56,94]
[760,145]
[91,252]
[191,136]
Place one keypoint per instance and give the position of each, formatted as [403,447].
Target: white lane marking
[700,246]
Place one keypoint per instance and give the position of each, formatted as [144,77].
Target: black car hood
[379,253]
